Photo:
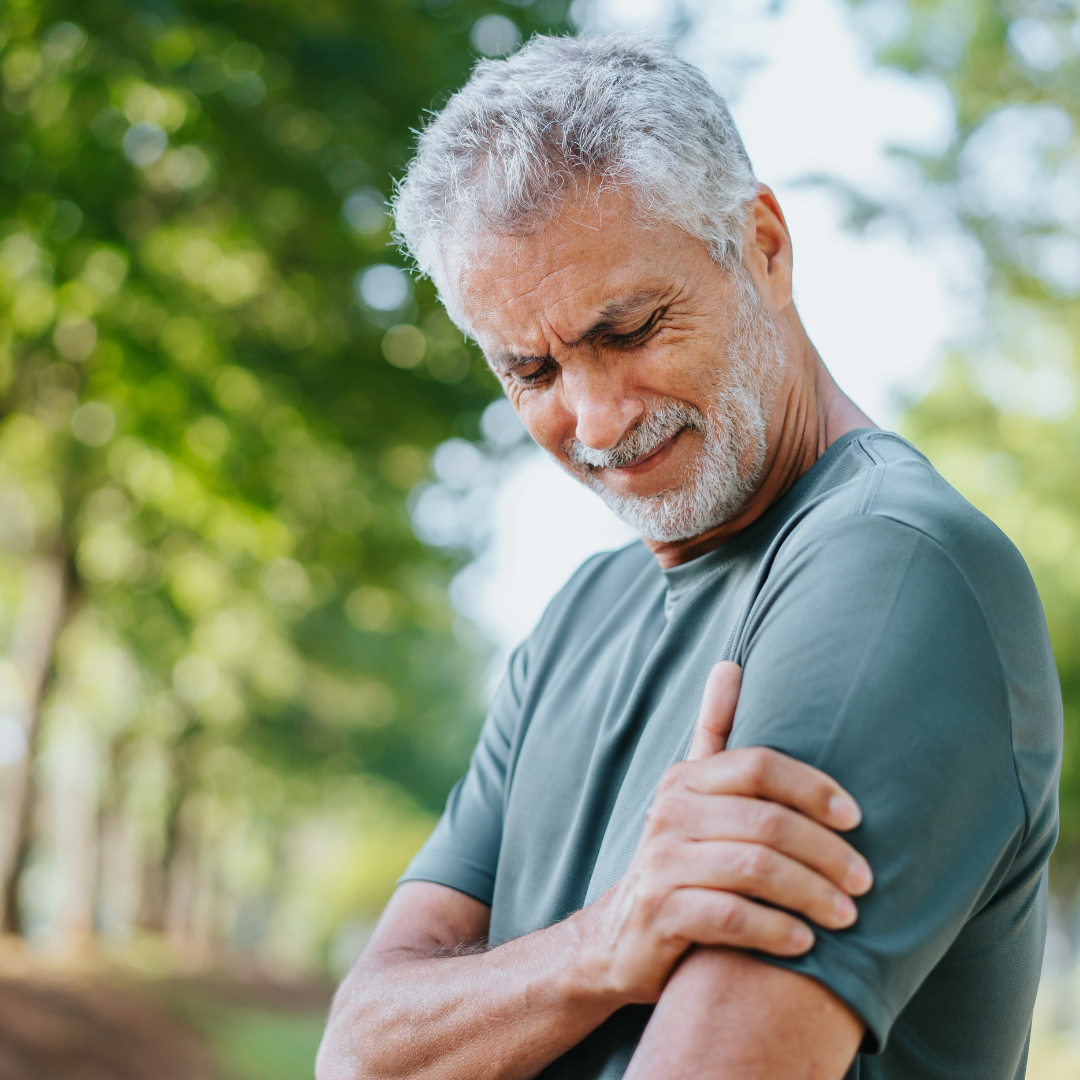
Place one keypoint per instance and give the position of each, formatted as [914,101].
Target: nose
[603,408]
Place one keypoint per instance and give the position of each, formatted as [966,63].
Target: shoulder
[892,518]
[887,490]
[895,537]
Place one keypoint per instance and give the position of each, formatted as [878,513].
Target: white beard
[731,459]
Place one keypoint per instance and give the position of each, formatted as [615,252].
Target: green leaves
[218,388]
[1002,423]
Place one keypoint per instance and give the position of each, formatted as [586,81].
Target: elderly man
[625,881]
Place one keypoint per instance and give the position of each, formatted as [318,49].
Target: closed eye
[635,337]
[538,370]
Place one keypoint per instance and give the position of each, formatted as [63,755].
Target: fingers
[757,821]
[717,712]
[759,873]
[767,774]
[709,917]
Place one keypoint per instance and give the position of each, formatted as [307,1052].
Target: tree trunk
[40,616]
[120,855]
[76,776]
[158,869]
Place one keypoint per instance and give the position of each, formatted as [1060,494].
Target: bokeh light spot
[368,608]
[495,35]
[75,338]
[195,678]
[93,423]
[365,211]
[144,143]
[285,581]
[404,345]
[383,287]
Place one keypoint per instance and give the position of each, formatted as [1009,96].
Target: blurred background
[267,529]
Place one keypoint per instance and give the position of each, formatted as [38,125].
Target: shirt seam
[693,587]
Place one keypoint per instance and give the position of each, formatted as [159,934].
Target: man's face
[632,359]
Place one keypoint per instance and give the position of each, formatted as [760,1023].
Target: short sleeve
[868,655]
[463,850]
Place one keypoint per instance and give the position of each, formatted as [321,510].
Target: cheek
[685,368]
[545,418]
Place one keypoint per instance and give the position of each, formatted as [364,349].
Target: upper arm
[725,1014]
[871,658]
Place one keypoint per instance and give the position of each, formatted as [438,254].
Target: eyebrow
[611,315]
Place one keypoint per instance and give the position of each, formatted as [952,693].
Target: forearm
[408,1009]
[725,1015]
[504,1014]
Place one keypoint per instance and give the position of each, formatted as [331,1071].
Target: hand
[726,828]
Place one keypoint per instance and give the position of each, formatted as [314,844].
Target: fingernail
[802,937]
[844,812]
[859,877]
[846,912]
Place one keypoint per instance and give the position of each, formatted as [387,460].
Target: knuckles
[729,915]
[660,855]
[752,768]
[674,776]
[667,810]
[755,864]
[767,822]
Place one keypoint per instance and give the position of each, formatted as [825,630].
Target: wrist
[591,968]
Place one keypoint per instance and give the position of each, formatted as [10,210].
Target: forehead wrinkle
[611,314]
[534,288]
[553,253]
[561,266]
[535,292]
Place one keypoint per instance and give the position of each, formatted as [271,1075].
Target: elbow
[329,1063]
[337,1059]
[345,1053]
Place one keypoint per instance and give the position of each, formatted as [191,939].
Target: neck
[810,414]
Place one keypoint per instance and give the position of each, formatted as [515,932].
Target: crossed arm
[427,1000]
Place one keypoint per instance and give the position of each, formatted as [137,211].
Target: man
[618,890]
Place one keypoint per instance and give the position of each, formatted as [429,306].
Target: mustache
[644,438]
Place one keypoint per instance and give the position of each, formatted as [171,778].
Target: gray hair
[611,112]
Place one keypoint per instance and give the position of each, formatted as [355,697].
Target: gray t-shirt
[890,635]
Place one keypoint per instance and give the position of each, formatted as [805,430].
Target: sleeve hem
[445,868]
[852,988]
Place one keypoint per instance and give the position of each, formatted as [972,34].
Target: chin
[675,514]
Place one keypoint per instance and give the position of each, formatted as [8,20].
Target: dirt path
[61,1031]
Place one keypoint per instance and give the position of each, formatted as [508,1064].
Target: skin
[423,1001]
[589,323]
[586,335]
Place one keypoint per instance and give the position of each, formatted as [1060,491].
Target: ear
[767,250]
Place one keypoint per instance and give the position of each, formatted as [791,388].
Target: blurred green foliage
[1002,422]
[212,414]
[260,1044]
[253,1030]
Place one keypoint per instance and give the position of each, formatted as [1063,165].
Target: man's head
[586,209]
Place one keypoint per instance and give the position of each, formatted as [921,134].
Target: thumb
[717,710]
